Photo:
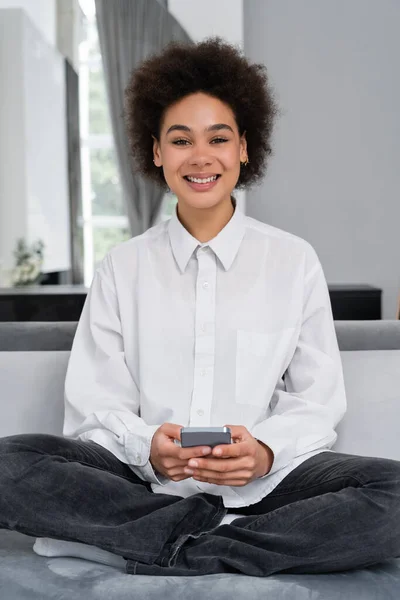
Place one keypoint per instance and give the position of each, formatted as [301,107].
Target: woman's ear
[156,152]
[243,148]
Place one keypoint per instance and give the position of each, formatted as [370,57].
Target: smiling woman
[199,118]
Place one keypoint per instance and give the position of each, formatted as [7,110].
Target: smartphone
[205,436]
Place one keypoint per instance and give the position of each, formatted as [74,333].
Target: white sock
[229,517]
[55,547]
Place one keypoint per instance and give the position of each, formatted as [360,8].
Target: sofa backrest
[370,426]
[32,336]
[32,392]
[34,359]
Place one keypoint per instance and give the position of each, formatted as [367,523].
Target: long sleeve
[101,397]
[310,400]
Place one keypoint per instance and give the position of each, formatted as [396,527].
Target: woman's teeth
[208,180]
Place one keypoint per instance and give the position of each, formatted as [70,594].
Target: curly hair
[213,67]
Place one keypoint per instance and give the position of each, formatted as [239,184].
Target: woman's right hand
[169,459]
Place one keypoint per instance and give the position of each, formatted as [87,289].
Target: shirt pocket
[261,360]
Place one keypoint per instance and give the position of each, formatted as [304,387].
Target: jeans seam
[166,559]
[70,457]
[105,469]
[269,515]
[168,545]
[83,462]
[310,487]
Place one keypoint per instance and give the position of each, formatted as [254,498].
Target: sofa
[33,362]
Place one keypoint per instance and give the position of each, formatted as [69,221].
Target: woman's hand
[167,458]
[243,461]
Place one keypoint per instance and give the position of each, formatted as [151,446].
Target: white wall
[33,143]
[46,149]
[335,177]
[12,125]
[208,18]
[41,12]
[69,30]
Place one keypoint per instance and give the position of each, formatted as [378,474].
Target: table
[65,302]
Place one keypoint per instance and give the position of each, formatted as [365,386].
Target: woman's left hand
[243,461]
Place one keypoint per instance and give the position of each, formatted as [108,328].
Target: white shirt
[238,330]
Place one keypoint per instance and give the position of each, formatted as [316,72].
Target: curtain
[130,30]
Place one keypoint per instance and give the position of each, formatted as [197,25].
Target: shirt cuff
[137,449]
[284,449]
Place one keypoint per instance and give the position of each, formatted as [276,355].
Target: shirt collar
[225,244]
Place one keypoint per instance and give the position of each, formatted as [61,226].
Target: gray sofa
[33,361]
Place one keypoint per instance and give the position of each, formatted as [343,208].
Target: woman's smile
[202,184]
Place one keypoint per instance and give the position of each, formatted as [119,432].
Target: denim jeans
[333,512]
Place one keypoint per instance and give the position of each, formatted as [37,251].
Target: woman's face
[199,138]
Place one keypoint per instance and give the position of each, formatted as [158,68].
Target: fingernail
[206,450]
[218,451]
[193,463]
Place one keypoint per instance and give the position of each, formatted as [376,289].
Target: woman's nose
[200,158]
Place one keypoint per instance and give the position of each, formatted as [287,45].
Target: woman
[211,318]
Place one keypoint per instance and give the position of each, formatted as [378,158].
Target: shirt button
[200,412]
[203,327]
[202,372]
[205,284]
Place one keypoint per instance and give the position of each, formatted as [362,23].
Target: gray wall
[335,176]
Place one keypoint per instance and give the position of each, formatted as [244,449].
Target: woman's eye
[218,140]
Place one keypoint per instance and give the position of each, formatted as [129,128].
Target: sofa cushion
[370,426]
[24,574]
[31,400]
[32,392]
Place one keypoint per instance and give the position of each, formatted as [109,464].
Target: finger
[228,450]
[240,449]
[181,459]
[219,476]
[172,430]
[195,452]
[232,478]
[215,465]
[240,434]
[231,483]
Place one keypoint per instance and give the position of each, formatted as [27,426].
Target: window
[103,217]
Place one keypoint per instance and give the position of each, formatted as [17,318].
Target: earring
[245,163]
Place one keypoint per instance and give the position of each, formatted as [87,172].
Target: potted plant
[29,261]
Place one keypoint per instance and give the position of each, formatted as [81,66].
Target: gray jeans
[334,512]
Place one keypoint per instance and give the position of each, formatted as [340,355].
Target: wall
[69,18]
[33,142]
[207,18]
[334,179]
[41,12]
[12,126]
